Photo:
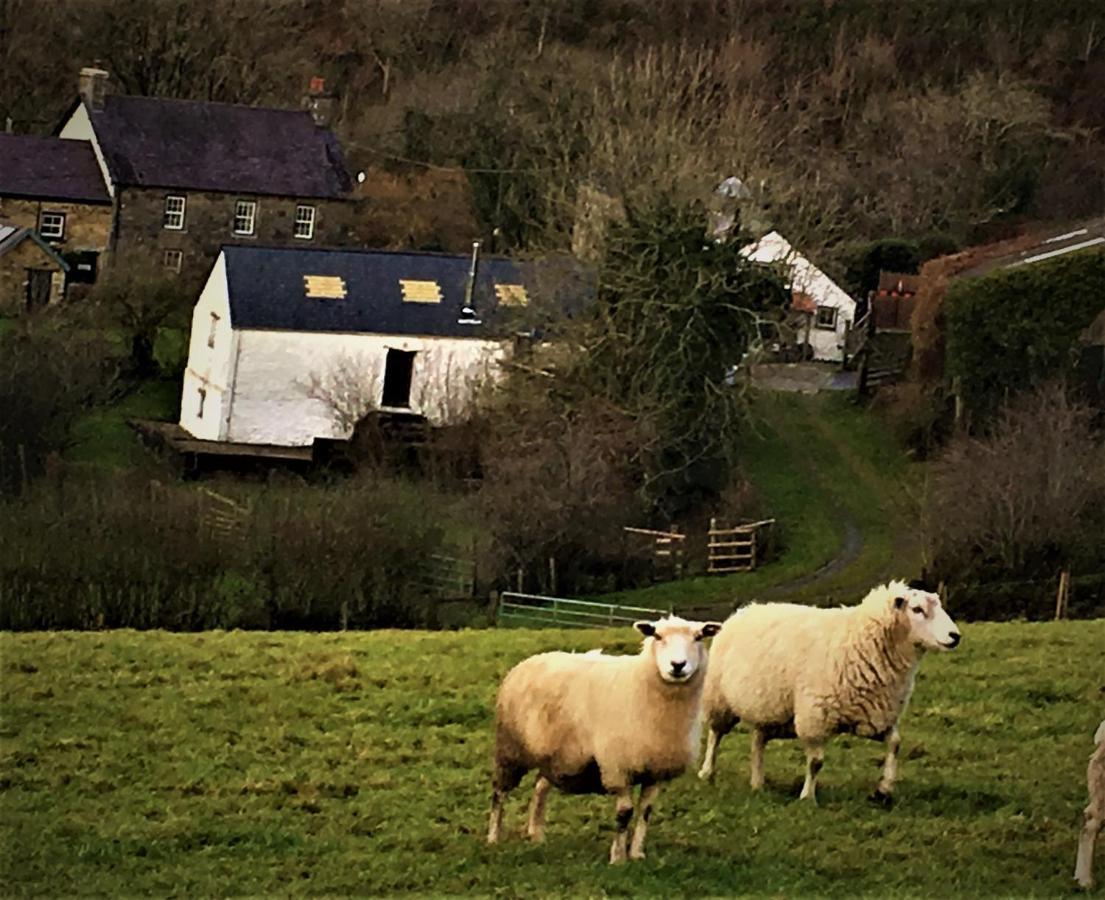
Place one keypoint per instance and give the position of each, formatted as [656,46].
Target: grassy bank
[279,763]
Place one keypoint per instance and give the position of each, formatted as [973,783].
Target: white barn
[273,326]
[831,311]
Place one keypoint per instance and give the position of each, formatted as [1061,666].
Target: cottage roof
[807,282]
[203,146]
[50,169]
[382,292]
[11,236]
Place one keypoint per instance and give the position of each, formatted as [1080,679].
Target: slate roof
[11,236]
[202,146]
[50,169]
[268,289]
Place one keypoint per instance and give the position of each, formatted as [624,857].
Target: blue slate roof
[203,146]
[268,289]
[50,169]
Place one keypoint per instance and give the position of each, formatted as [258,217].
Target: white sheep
[591,723]
[1094,815]
[798,671]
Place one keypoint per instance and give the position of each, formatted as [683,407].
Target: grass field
[103,438]
[820,464]
[278,763]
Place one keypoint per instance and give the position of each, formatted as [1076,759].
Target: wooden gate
[733,549]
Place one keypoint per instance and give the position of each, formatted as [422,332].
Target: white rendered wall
[806,278]
[79,128]
[272,402]
[209,368]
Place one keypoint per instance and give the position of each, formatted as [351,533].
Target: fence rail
[526,610]
[733,549]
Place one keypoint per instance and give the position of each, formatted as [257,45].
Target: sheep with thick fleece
[591,723]
[1094,815]
[798,671]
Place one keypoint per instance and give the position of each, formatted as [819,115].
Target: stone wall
[142,237]
[87,225]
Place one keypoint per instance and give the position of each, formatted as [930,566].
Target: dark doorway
[397,379]
[38,288]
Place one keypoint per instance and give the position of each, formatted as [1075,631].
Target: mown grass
[279,763]
[818,462]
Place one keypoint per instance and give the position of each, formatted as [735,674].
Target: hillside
[277,763]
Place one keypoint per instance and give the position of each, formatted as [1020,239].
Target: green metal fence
[534,610]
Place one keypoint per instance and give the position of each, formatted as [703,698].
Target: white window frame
[57,234]
[178,260]
[245,211]
[214,326]
[173,219]
[308,220]
[830,326]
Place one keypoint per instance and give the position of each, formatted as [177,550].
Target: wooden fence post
[1063,596]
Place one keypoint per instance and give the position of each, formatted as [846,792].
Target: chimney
[319,103]
[92,86]
[468,314]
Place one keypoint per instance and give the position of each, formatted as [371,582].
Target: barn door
[398,370]
[38,288]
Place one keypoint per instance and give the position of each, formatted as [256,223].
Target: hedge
[1012,330]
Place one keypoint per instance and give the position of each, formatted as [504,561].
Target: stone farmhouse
[55,189]
[185,177]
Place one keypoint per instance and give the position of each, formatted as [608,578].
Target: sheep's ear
[709,629]
[899,602]
[646,628]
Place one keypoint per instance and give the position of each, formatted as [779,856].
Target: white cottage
[411,331]
[831,311]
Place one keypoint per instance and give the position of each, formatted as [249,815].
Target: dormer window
[245,216]
[174,213]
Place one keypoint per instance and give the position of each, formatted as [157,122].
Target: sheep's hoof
[882,798]
[706,775]
[639,854]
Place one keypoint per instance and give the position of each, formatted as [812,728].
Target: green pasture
[229,763]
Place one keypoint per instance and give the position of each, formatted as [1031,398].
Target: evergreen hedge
[1013,330]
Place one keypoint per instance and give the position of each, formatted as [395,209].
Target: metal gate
[535,610]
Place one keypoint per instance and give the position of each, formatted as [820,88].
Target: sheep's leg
[759,741]
[815,759]
[1091,825]
[623,813]
[503,781]
[884,792]
[535,830]
[495,826]
[720,725]
[644,812]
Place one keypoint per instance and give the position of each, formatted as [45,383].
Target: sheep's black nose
[953,639]
[677,667]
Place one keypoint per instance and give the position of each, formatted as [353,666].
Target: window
[174,213]
[245,212]
[826,317]
[51,225]
[202,397]
[172,260]
[305,222]
[398,369]
[214,326]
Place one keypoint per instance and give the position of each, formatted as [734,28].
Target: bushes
[124,552]
[1014,330]
[1022,503]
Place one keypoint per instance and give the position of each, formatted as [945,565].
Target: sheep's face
[677,647]
[929,625]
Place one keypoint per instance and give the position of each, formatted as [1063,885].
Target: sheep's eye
[918,609]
